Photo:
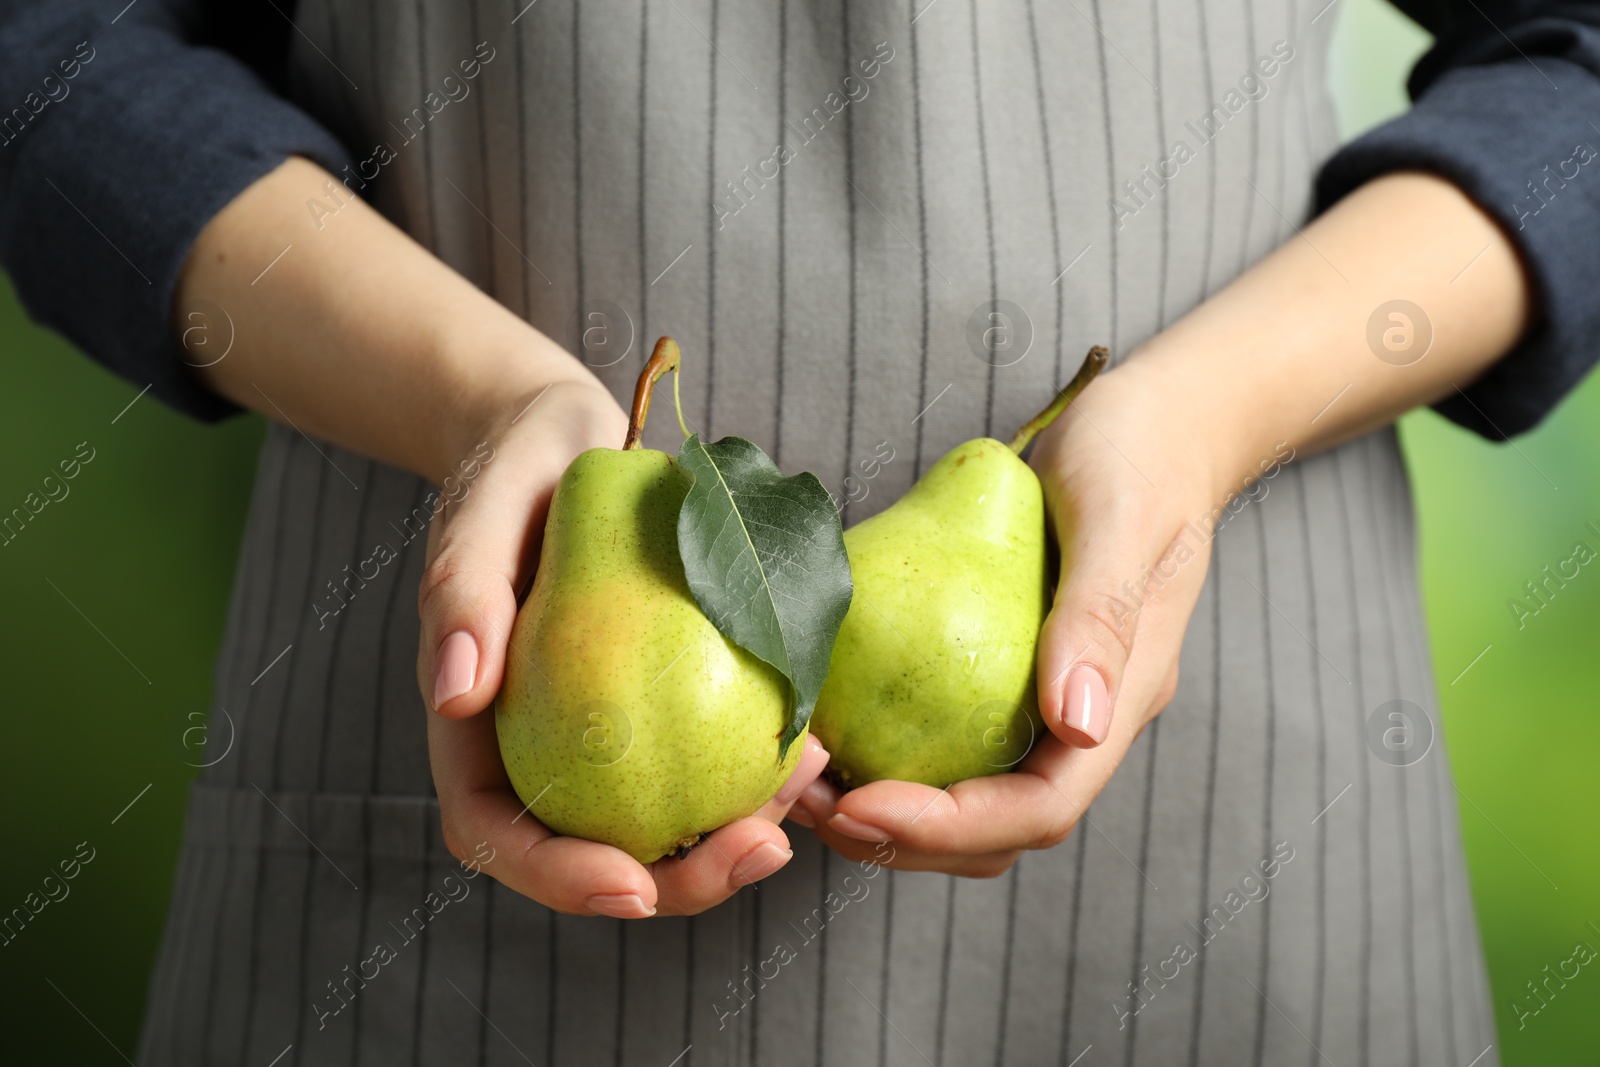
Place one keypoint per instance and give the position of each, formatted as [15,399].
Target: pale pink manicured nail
[454,668]
[857,829]
[619,905]
[811,763]
[817,802]
[766,858]
[820,795]
[1088,707]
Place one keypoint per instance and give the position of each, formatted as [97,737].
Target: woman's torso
[832,300]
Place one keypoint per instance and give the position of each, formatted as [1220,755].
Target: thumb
[479,554]
[1090,632]
[485,544]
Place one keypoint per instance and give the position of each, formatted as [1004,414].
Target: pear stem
[677,405]
[1093,364]
[665,358]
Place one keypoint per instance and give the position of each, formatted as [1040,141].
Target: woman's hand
[1279,363]
[1124,471]
[482,551]
[348,330]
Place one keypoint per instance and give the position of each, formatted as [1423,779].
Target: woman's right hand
[313,331]
[482,550]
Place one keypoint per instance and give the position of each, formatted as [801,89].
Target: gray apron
[825,205]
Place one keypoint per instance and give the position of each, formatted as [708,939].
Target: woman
[432,243]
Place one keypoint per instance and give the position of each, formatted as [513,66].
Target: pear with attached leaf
[932,676]
[626,717]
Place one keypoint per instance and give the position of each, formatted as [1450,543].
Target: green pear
[625,716]
[932,675]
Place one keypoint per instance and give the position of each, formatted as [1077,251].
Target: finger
[1110,568]
[481,816]
[815,805]
[819,799]
[1035,807]
[904,858]
[739,854]
[820,802]
[478,554]
[812,762]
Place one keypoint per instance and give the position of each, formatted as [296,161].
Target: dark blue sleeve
[1506,106]
[121,137]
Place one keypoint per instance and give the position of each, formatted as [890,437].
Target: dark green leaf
[765,559]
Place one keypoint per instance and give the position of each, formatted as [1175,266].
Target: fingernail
[758,863]
[1088,707]
[805,772]
[619,905]
[818,796]
[454,668]
[803,817]
[857,829]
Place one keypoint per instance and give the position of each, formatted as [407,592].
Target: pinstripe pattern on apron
[619,156]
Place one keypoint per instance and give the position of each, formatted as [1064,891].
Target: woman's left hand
[1282,360]
[1125,472]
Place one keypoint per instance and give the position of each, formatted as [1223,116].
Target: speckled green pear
[626,717]
[932,677]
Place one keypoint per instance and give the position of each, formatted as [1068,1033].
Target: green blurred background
[114,598]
